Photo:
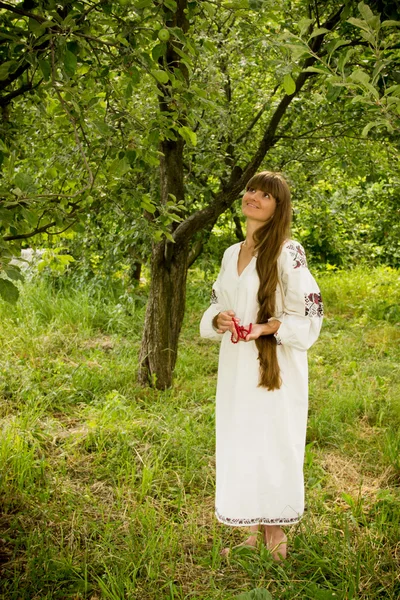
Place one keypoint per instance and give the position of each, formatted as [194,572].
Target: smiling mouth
[252,205]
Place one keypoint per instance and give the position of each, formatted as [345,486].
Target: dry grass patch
[345,475]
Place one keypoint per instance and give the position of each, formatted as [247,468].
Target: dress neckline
[237,262]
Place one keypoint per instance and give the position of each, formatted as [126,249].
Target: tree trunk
[166,304]
[164,316]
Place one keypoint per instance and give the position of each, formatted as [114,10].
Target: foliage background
[106,486]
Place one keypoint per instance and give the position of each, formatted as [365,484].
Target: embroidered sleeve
[314,306]
[302,307]
[214,297]
[297,255]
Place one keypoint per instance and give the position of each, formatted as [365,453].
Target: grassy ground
[106,489]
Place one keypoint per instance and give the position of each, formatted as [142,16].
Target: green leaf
[8,291]
[344,59]
[236,4]
[322,70]
[358,23]
[318,31]
[367,35]
[30,217]
[394,89]
[367,128]
[297,51]
[188,135]
[365,132]
[257,594]
[131,156]
[169,236]
[6,68]
[365,11]
[135,75]
[44,66]
[335,44]
[13,272]
[25,182]
[120,166]
[143,3]
[128,90]
[36,27]
[70,63]
[391,23]
[148,207]
[147,204]
[161,76]
[171,4]
[158,51]
[375,23]
[304,24]
[360,76]
[289,84]
[373,91]
[333,92]
[103,128]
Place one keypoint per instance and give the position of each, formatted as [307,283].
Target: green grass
[106,488]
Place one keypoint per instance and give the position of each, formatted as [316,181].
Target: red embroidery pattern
[298,255]
[314,307]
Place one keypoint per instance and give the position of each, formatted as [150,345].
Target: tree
[201,92]
[171,257]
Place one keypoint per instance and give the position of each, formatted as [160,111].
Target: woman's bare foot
[250,542]
[276,541]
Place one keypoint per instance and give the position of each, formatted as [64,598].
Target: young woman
[266,309]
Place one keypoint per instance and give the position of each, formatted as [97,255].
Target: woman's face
[258,205]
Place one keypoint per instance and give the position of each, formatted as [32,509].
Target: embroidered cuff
[278,338]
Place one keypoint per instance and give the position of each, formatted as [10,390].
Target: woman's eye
[266,195]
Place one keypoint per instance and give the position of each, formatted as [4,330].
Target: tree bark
[164,316]
[166,304]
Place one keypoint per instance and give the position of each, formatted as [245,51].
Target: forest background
[128,132]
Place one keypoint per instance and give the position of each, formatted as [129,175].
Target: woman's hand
[224,321]
[259,329]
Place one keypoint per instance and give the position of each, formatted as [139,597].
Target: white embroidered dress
[260,435]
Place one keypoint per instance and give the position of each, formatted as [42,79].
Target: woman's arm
[217,318]
[300,322]
[303,310]
[259,329]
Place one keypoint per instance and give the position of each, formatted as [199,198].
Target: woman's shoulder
[230,251]
[294,253]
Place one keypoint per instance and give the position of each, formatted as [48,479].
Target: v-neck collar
[237,262]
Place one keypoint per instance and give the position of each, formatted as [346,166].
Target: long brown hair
[268,243]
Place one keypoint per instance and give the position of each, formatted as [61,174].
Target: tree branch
[26,87]
[24,236]
[256,118]
[23,13]
[229,192]
[11,78]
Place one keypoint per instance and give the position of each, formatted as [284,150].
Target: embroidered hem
[258,521]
